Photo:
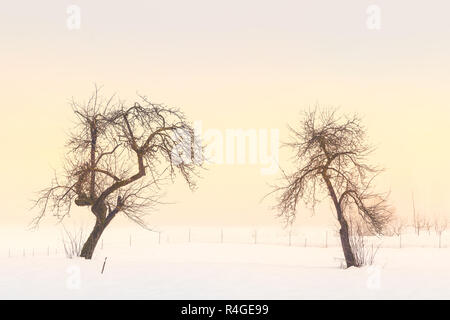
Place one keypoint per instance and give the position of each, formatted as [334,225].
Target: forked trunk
[91,242]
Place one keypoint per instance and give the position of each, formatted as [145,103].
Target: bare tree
[331,157]
[118,157]
[427,224]
[440,225]
[419,222]
[398,226]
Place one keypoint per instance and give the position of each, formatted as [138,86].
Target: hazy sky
[230,65]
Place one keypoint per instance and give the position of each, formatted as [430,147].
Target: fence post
[221,235]
[130,240]
[104,263]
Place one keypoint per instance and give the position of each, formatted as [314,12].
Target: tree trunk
[91,242]
[345,241]
[343,232]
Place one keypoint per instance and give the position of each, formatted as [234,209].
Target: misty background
[234,64]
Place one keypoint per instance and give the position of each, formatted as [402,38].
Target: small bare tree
[398,226]
[331,157]
[427,225]
[419,222]
[119,155]
[440,225]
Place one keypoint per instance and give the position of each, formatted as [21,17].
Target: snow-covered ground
[149,267]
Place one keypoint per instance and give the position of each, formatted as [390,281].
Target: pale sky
[231,64]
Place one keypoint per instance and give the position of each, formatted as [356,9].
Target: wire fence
[138,239]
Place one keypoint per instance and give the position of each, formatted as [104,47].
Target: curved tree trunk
[343,231]
[345,242]
[91,242]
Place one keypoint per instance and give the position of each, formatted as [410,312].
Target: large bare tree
[118,157]
[330,158]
